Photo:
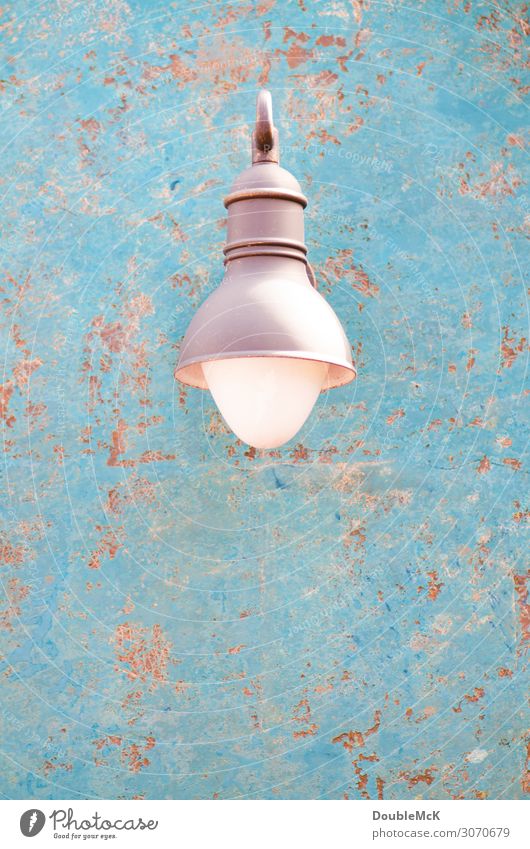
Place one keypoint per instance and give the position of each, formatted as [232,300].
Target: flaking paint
[182,616]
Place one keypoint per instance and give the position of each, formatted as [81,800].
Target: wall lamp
[265,342]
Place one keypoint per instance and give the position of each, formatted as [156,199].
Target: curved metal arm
[265,139]
[264,123]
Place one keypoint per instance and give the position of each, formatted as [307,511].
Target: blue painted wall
[181,616]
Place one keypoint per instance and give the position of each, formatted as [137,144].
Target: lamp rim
[340,373]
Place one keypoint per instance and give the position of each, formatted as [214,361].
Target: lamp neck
[266,205]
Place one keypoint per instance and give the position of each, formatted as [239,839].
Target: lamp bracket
[265,138]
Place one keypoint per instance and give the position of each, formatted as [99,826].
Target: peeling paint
[183,616]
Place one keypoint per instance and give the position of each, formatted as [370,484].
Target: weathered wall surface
[180,616]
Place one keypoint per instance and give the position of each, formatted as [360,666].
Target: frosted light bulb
[265,400]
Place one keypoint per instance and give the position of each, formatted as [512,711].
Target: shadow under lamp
[265,342]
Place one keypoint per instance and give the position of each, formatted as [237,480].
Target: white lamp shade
[265,400]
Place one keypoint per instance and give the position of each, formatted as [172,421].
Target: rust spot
[484,466]
[144,651]
[357,124]
[362,36]
[477,694]
[525,780]
[23,371]
[91,126]
[397,414]
[109,544]
[291,35]
[323,136]
[52,765]
[6,391]
[362,282]
[434,585]
[302,714]
[297,55]
[118,444]
[470,361]
[134,755]
[356,739]
[299,453]
[357,6]
[510,349]
[521,591]
[109,740]
[180,71]
[306,732]
[504,672]
[356,535]
[329,40]
[113,336]
[11,554]
[426,777]
[520,515]
[16,592]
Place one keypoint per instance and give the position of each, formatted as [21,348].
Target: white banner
[257,824]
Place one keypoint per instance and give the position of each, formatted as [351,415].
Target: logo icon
[31,822]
